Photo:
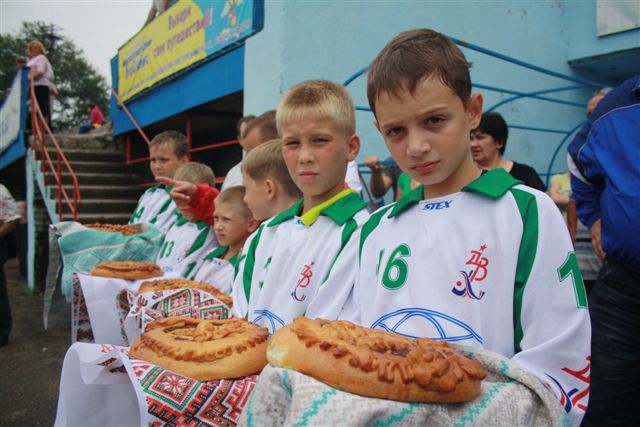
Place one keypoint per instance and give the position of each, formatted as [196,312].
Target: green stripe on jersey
[371,225]
[200,240]
[526,256]
[347,231]
[247,273]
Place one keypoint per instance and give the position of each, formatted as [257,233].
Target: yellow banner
[186,33]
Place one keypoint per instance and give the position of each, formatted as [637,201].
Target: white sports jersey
[233,178]
[491,266]
[155,207]
[285,262]
[185,245]
[218,272]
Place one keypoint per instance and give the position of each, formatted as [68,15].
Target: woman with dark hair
[488,142]
[41,73]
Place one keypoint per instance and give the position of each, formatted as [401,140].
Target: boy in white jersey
[188,240]
[232,224]
[478,259]
[168,151]
[269,187]
[290,256]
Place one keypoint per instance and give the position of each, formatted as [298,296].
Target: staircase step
[100,167]
[85,155]
[88,178]
[108,205]
[103,191]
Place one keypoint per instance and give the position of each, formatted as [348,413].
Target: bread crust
[127,230]
[375,363]
[171,284]
[204,349]
[128,270]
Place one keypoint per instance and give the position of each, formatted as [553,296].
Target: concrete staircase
[108,187]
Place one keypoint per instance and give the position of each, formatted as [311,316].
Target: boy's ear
[474,110]
[353,147]
[252,225]
[271,189]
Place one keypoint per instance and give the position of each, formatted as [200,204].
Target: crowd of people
[472,237]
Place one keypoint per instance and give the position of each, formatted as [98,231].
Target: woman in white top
[41,73]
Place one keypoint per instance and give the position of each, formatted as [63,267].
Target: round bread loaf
[127,230]
[171,284]
[129,270]
[375,363]
[204,349]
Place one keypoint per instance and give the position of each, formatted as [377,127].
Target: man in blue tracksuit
[604,160]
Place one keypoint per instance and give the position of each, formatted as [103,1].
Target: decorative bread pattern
[129,270]
[127,230]
[170,284]
[204,349]
[376,363]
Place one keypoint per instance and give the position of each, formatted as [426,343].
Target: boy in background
[290,256]
[478,259]
[269,187]
[199,199]
[168,151]
[233,223]
[234,176]
[254,132]
[188,240]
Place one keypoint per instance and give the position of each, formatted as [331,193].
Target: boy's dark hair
[266,162]
[494,125]
[196,173]
[416,55]
[242,120]
[266,122]
[175,138]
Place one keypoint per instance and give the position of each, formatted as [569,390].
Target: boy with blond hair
[168,151]
[269,187]
[232,224]
[188,240]
[290,256]
[469,256]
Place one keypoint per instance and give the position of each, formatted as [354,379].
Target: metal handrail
[40,129]
[128,113]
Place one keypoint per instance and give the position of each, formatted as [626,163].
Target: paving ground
[30,365]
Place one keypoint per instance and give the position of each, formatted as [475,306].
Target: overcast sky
[98,27]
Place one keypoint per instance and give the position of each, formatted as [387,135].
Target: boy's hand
[181,192]
[596,239]
[372,163]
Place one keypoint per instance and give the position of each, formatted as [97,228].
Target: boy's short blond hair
[177,140]
[413,56]
[196,173]
[266,162]
[327,99]
[234,196]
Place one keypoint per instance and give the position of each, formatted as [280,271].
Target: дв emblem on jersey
[303,282]
[477,272]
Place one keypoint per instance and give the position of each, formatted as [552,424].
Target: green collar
[340,211]
[182,220]
[161,187]
[217,252]
[493,184]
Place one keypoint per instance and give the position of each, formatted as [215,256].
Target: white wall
[329,39]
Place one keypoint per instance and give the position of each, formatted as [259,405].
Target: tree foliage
[79,84]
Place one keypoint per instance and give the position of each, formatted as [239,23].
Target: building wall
[332,40]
